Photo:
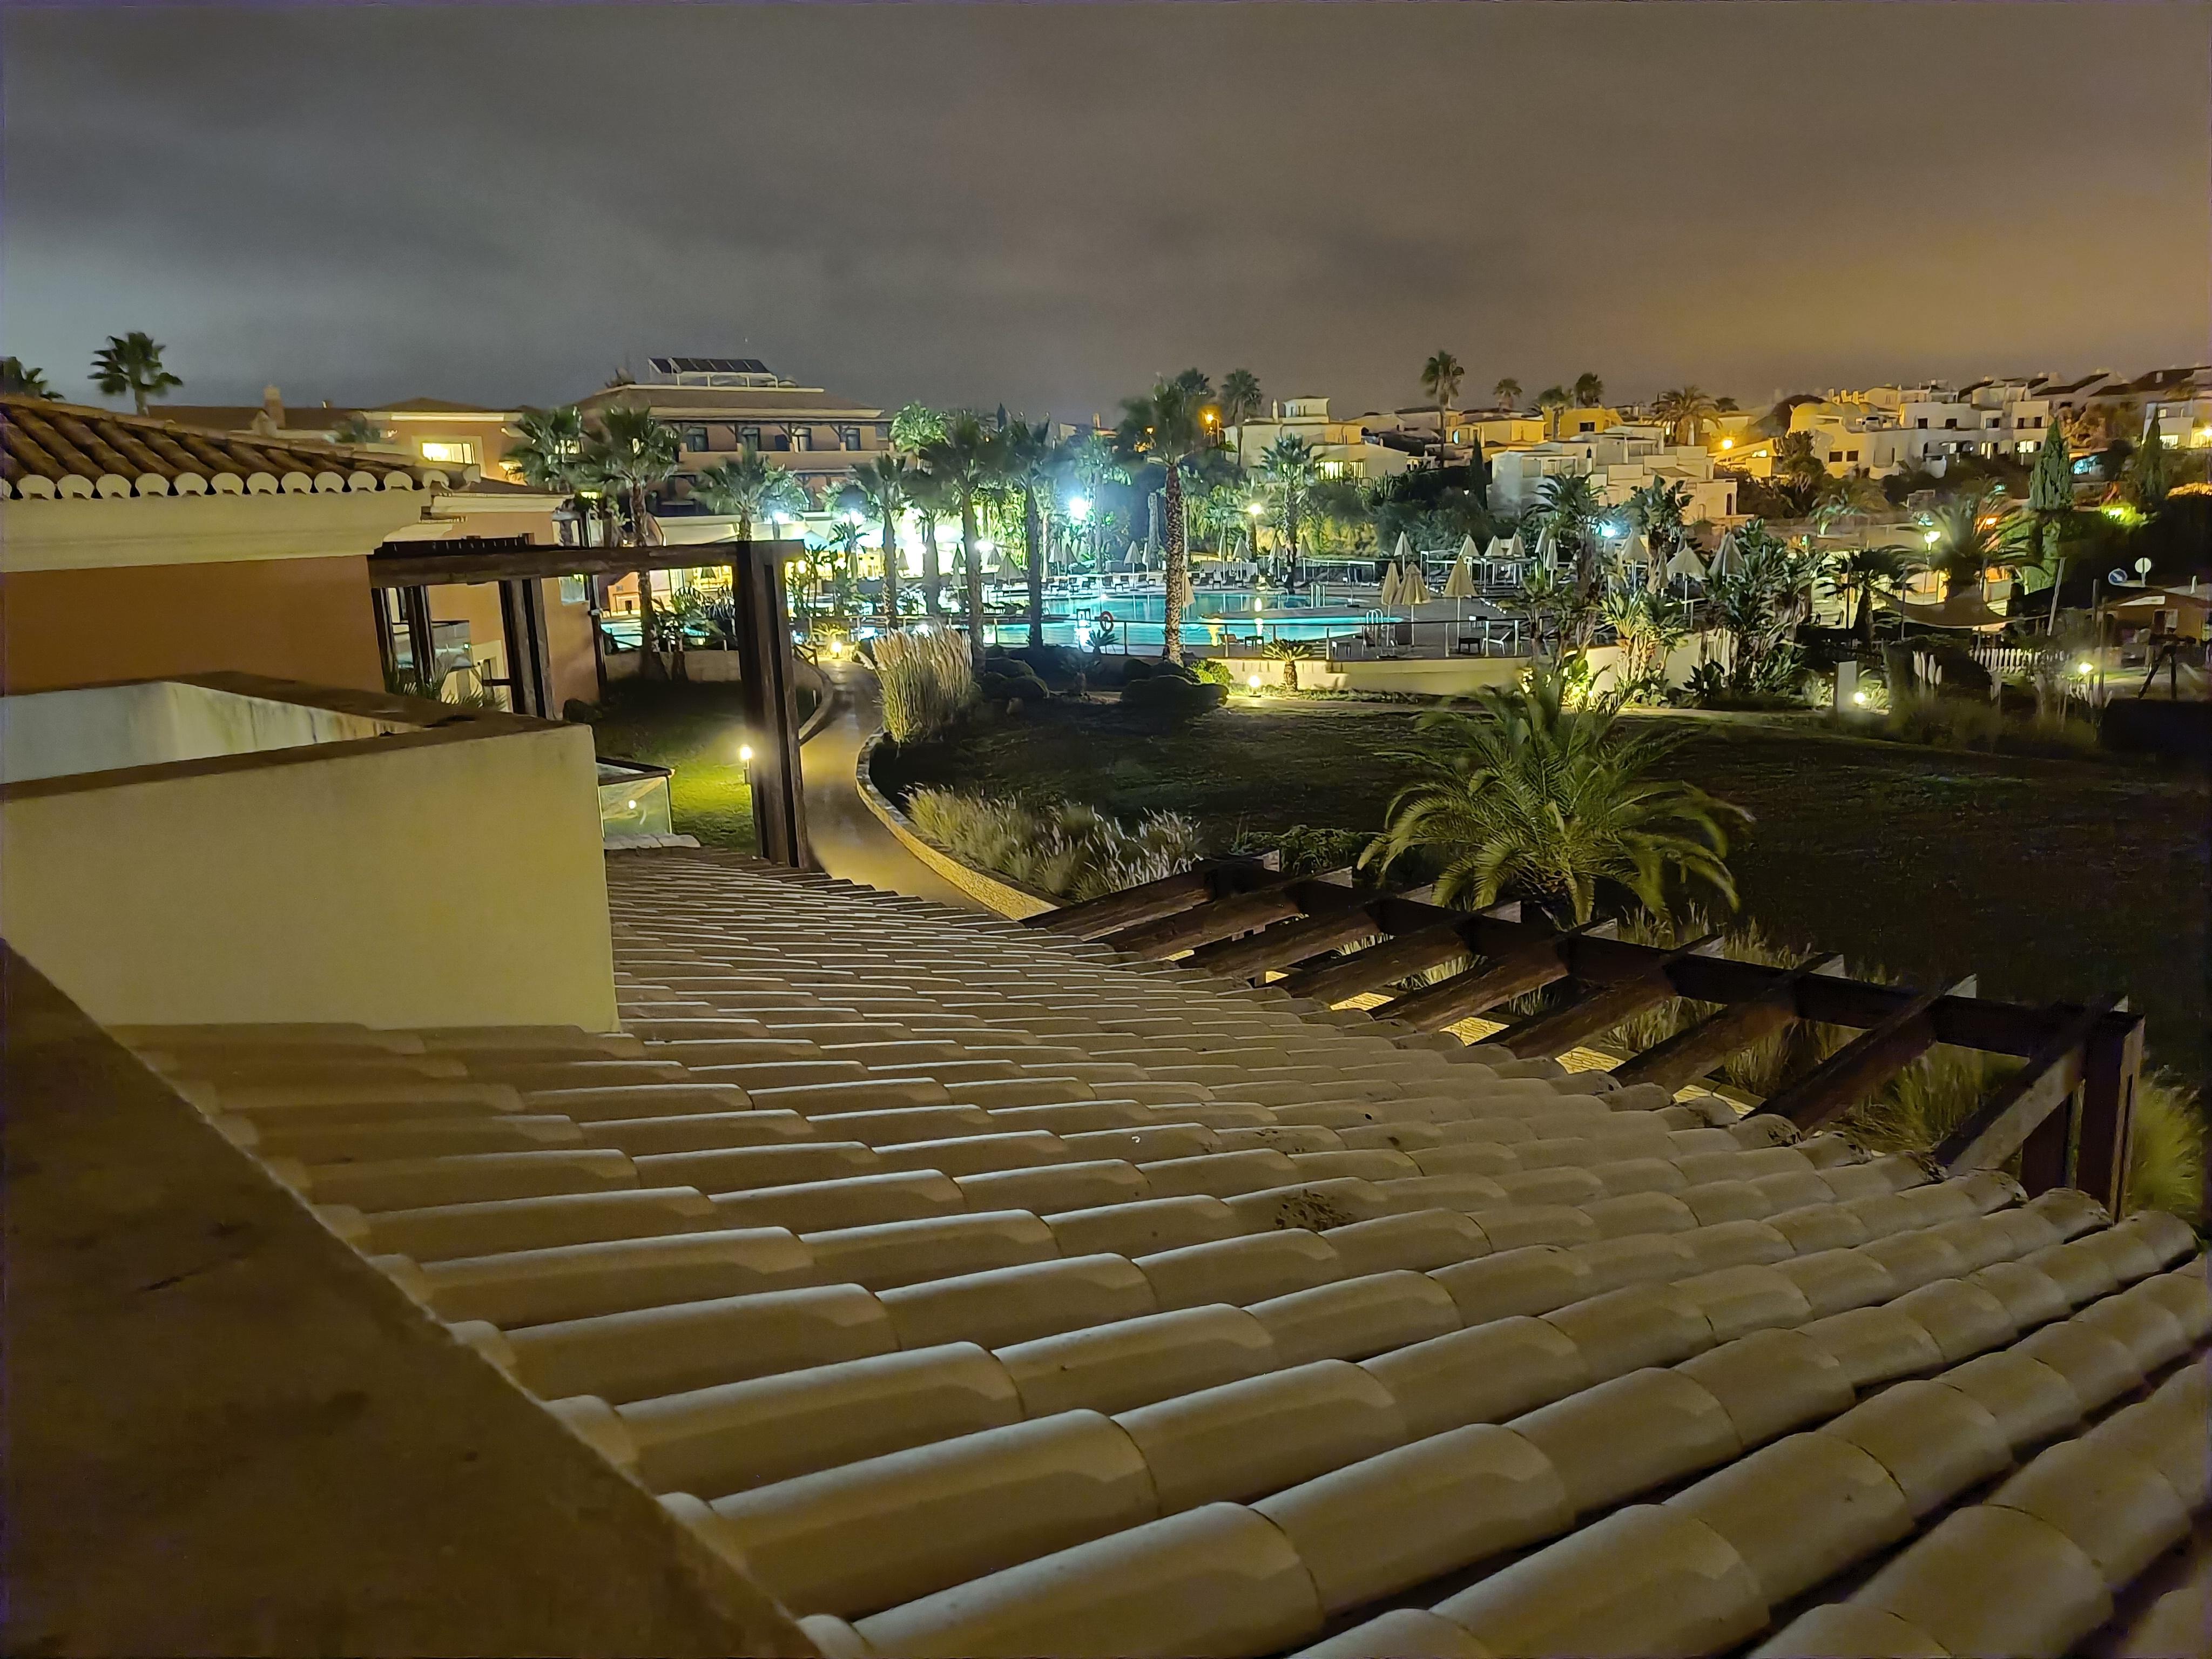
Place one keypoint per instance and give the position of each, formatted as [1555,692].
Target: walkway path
[848,840]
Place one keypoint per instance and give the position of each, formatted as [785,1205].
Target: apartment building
[1353,449]
[723,407]
[1619,461]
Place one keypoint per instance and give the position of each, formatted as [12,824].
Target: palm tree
[1552,402]
[1507,392]
[1028,461]
[132,362]
[1589,391]
[1440,379]
[749,487]
[1088,459]
[548,452]
[1797,460]
[1163,427]
[1531,797]
[1291,468]
[1568,505]
[1973,535]
[1685,409]
[1854,494]
[915,425]
[965,461]
[631,452]
[358,429]
[1860,574]
[17,381]
[881,487]
[932,501]
[1240,402]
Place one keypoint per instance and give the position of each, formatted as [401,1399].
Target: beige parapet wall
[446,875]
[992,892]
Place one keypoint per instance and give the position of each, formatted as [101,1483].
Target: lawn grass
[2051,879]
[695,729]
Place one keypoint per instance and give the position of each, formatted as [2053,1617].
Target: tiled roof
[54,449]
[978,1290]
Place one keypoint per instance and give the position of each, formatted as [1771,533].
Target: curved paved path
[848,840]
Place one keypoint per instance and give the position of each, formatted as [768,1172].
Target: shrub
[925,681]
[1172,696]
[1308,849]
[1155,668]
[2166,1165]
[1019,684]
[1214,671]
[1069,850]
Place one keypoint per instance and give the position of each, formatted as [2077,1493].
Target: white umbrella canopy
[1726,557]
[1186,594]
[1547,547]
[1461,583]
[1686,564]
[1467,550]
[1402,552]
[1499,548]
[1390,580]
[1515,548]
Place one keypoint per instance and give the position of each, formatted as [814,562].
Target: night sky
[1047,206]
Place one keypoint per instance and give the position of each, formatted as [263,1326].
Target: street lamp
[1079,509]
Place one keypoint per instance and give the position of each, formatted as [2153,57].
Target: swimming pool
[1214,616]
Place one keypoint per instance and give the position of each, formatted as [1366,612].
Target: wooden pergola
[763,641]
[2067,1113]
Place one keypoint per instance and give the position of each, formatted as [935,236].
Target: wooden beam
[1851,1074]
[1094,917]
[1500,978]
[1691,1053]
[1322,927]
[2002,1124]
[2112,1074]
[1599,1009]
[1219,919]
[399,569]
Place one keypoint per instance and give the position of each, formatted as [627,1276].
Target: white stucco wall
[424,880]
[51,734]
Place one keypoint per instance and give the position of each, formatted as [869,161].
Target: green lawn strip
[695,729]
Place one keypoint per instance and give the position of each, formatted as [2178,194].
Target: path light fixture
[745,754]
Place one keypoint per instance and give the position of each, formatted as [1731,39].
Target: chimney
[272,405]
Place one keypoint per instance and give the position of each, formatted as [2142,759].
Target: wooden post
[2111,1071]
[379,608]
[770,704]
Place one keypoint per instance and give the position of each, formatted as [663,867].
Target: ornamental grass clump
[925,680]
[1063,849]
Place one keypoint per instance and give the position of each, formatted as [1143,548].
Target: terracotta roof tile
[50,449]
[855,1271]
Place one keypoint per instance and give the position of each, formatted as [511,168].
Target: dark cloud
[1044,205]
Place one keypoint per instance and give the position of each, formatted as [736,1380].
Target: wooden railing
[2067,1114]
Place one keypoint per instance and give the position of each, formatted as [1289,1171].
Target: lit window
[454,454]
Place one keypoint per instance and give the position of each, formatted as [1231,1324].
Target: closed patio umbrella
[1726,557]
[1390,580]
[1685,565]
[1415,590]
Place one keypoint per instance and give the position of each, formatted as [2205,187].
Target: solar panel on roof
[709,366]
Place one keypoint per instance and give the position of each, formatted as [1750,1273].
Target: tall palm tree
[915,425]
[1240,402]
[1529,796]
[1163,427]
[1569,506]
[1797,460]
[1440,379]
[1291,468]
[965,461]
[881,487]
[132,362]
[1028,461]
[17,381]
[631,454]
[748,488]
[932,500]
[1853,495]
[1507,392]
[1552,402]
[1685,408]
[1589,391]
